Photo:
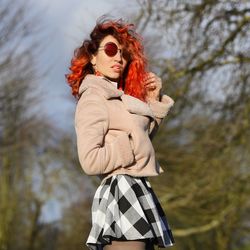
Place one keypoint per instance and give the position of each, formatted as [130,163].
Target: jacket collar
[106,88]
[102,85]
[136,106]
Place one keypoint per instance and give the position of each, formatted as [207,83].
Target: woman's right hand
[153,85]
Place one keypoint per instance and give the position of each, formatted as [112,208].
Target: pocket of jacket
[131,141]
[123,147]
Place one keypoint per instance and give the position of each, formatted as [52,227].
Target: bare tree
[204,62]
[22,129]
[38,161]
[34,166]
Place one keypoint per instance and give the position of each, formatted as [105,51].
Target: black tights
[129,245]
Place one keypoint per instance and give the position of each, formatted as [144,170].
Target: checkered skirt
[126,208]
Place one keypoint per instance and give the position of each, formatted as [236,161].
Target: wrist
[153,99]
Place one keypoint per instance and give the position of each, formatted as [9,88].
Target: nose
[118,56]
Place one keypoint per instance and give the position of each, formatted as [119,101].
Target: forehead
[109,38]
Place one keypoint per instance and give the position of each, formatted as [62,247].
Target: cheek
[102,62]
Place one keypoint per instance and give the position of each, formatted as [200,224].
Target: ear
[93,60]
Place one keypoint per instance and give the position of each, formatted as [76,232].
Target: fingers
[150,85]
[150,77]
[152,81]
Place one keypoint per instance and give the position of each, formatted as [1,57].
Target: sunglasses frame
[115,47]
[104,47]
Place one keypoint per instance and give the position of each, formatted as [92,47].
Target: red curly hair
[133,77]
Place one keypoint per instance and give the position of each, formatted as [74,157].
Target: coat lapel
[136,106]
[101,85]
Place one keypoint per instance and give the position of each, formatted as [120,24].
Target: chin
[113,77]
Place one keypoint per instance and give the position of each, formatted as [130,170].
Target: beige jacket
[114,130]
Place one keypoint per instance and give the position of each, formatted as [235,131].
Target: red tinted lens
[110,49]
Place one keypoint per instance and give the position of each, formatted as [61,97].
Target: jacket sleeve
[95,156]
[160,110]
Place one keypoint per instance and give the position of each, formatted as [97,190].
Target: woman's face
[111,67]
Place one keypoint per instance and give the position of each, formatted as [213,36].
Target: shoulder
[91,95]
[91,109]
[91,101]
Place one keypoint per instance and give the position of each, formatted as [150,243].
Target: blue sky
[65,24]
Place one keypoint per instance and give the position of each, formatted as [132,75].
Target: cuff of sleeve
[125,151]
[161,108]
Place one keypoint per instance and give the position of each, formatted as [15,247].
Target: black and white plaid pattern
[126,208]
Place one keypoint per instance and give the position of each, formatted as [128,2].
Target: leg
[126,245]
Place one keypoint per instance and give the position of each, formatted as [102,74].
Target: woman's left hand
[153,85]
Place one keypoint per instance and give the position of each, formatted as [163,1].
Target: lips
[117,67]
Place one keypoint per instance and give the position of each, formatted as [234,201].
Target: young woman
[120,107]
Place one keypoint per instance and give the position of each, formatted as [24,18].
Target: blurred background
[200,49]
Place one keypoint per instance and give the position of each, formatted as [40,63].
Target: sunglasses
[111,49]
